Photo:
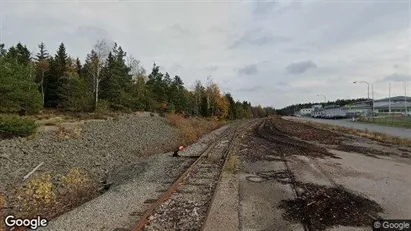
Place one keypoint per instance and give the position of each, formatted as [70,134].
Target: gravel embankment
[103,146]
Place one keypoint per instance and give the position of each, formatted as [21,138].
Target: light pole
[368,93]
[368,87]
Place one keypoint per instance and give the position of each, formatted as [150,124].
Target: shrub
[103,107]
[191,128]
[14,126]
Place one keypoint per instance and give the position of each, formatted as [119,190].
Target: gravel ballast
[101,147]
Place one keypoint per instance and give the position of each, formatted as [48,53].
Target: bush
[191,128]
[14,126]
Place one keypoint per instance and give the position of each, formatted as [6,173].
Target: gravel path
[141,184]
[102,147]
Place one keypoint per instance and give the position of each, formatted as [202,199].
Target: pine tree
[79,68]
[43,54]
[53,78]
[19,54]
[116,84]
[2,50]
[42,66]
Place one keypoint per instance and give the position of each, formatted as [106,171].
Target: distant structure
[393,105]
[385,106]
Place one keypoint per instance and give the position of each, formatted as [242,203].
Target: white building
[306,111]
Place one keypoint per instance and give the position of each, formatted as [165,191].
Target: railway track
[185,204]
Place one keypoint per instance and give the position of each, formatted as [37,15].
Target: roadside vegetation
[51,196]
[49,90]
[191,129]
[367,134]
[395,121]
[15,126]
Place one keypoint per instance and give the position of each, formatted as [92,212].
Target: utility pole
[405,98]
[389,99]
[372,86]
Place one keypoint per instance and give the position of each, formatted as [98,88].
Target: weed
[2,213]
[65,133]
[232,164]
[50,196]
[192,128]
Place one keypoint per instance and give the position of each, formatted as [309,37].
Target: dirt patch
[363,150]
[320,207]
[271,141]
[306,132]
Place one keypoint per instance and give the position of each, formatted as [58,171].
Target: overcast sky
[273,53]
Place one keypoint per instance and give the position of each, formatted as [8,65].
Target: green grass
[403,121]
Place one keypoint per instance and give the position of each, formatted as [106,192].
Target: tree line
[109,79]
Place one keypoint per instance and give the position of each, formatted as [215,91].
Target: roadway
[393,131]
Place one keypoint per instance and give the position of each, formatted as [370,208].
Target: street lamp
[368,91]
[368,86]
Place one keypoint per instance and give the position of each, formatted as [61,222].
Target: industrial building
[393,105]
[306,111]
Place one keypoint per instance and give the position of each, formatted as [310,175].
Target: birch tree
[96,61]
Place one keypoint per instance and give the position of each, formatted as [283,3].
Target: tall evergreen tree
[42,65]
[116,84]
[2,50]
[43,53]
[53,79]
[19,54]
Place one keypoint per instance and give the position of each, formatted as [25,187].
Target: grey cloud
[262,8]
[176,67]
[300,67]
[211,68]
[395,78]
[248,70]
[257,37]
[282,84]
[250,89]
[179,29]
[92,32]
[216,29]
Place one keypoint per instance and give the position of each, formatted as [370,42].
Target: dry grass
[51,196]
[367,134]
[232,164]
[68,132]
[192,129]
[2,214]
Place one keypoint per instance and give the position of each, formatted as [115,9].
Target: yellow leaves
[2,213]
[192,128]
[75,178]
[47,196]
[40,189]
[222,107]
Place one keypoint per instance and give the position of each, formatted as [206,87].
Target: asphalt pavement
[393,131]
